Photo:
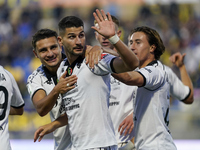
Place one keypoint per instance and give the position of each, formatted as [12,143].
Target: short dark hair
[68,22]
[153,38]
[42,34]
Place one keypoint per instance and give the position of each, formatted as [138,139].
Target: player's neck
[53,70]
[71,58]
[145,63]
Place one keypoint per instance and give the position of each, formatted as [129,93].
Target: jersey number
[4,105]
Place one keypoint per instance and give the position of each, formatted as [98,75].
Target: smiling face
[139,44]
[73,41]
[49,51]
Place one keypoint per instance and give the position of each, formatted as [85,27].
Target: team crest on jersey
[69,71]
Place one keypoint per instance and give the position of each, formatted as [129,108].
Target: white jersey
[86,105]
[152,110]
[9,96]
[41,79]
[121,105]
[175,83]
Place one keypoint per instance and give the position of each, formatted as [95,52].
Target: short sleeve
[153,77]
[34,84]
[104,66]
[177,88]
[16,99]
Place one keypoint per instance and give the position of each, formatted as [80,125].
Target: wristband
[114,39]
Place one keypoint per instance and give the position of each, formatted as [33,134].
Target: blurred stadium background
[177,21]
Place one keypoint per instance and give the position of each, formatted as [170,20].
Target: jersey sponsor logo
[149,70]
[68,100]
[113,103]
[72,107]
[2,77]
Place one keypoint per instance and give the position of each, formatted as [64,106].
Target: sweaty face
[73,41]
[48,51]
[139,44]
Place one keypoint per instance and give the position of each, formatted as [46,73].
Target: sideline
[47,144]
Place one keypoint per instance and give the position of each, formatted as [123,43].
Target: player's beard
[74,51]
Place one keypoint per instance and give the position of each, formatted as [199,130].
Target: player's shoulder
[36,74]
[151,68]
[154,73]
[5,73]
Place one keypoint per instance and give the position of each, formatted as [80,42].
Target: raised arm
[44,103]
[178,60]
[127,61]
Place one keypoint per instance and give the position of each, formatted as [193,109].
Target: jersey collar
[153,62]
[70,68]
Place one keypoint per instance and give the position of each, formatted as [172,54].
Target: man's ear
[152,48]
[60,40]
[35,53]
[119,33]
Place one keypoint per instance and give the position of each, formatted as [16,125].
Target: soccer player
[11,103]
[86,105]
[151,108]
[42,83]
[121,99]
[179,89]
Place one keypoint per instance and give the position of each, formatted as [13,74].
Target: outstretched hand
[105,25]
[178,59]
